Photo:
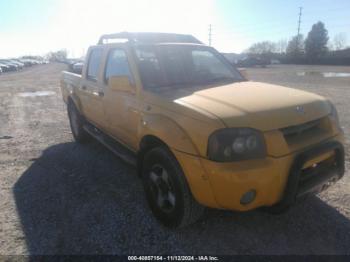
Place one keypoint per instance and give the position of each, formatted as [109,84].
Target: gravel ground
[58,197]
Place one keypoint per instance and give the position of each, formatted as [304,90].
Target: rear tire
[167,191]
[76,124]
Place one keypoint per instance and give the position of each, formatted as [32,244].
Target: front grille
[299,130]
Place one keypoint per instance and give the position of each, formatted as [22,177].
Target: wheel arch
[74,100]
[198,185]
[158,130]
[147,143]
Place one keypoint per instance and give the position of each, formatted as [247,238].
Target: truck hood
[258,105]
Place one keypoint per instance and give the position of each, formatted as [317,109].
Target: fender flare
[168,131]
[163,131]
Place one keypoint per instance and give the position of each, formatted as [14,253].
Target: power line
[267,24]
[267,31]
[299,22]
[274,27]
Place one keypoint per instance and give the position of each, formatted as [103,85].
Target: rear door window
[94,64]
[117,65]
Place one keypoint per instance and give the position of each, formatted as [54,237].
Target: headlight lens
[234,144]
[334,116]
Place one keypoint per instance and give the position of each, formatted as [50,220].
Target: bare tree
[330,46]
[58,56]
[295,46]
[281,46]
[339,41]
[264,47]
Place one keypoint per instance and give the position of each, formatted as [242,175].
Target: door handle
[101,94]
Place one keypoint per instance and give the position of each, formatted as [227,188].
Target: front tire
[76,124]
[167,191]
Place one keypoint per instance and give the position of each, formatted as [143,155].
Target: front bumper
[313,179]
[278,182]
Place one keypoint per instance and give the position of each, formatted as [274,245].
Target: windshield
[183,65]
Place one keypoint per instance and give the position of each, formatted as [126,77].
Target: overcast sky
[39,26]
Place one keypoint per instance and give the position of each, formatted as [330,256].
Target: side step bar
[117,148]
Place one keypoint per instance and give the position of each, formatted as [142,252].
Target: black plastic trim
[293,188]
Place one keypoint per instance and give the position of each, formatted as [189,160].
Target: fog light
[248,197]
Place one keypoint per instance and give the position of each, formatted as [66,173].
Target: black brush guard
[301,182]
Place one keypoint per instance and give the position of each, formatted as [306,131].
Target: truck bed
[68,82]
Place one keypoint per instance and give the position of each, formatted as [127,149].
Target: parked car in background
[16,64]
[12,66]
[78,68]
[26,62]
[275,62]
[31,60]
[74,65]
[19,64]
[4,68]
[252,62]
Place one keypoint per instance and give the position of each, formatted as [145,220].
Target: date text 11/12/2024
[173,258]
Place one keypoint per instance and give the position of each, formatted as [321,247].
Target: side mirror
[121,83]
[243,72]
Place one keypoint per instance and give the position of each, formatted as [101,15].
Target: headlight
[234,144]
[334,116]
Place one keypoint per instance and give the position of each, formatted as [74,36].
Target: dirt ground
[58,197]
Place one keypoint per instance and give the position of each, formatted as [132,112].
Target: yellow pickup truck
[199,133]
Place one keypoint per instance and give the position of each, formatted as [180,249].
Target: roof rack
[150,38]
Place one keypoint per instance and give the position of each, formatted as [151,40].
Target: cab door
[91,92]
[121,108]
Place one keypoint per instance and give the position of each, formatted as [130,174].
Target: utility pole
[299,22]
[209,35]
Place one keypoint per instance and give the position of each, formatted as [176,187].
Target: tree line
[315,49]
[58,56]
